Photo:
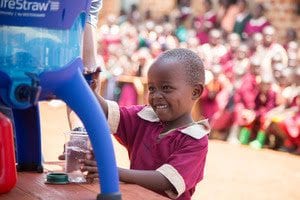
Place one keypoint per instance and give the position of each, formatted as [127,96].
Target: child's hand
[89,165]
[92,77]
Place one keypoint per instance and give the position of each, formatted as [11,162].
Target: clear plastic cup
[77,147]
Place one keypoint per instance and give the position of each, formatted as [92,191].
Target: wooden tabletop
[31,185]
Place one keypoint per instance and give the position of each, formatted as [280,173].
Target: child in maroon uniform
[257,23]
[264,101]
[206,22]
[167,149]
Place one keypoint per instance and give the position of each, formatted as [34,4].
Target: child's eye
[166,88]
[151,89]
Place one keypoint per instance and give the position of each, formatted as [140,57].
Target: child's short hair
[191,62]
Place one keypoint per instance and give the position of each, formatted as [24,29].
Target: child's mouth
[161,107]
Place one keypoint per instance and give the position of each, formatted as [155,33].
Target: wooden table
[31,186]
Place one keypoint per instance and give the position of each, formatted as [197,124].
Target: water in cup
[77,147]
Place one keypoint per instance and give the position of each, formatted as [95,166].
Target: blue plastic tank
[36,50]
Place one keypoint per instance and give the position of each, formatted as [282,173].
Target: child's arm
[150,179]
[103,104]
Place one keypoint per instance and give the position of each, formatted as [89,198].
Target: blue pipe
[80,98]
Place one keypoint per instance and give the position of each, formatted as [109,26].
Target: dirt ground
[233,172]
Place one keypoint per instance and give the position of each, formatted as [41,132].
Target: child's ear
[197,91]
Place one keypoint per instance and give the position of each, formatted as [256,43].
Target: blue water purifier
[40,58]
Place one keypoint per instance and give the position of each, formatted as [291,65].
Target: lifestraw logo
[54,5]
[24,5]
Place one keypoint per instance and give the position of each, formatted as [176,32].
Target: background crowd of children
[252,93]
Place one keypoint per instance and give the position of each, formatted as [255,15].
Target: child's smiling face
[170,94]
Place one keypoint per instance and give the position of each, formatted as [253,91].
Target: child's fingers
[93,84]
[91,151]
[89,156]
[87,162]
[89,169]
[89,180]
[92,176]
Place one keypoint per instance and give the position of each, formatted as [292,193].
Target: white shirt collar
[258,22]
[209,14]
[241,16]
[196,130]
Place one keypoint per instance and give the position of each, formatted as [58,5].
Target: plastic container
[35,49]
[8,172]
[77,147]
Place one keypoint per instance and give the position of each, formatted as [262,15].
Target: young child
[167,149]
[265,100]
[205,22]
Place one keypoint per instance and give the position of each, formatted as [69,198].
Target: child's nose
[157,95]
